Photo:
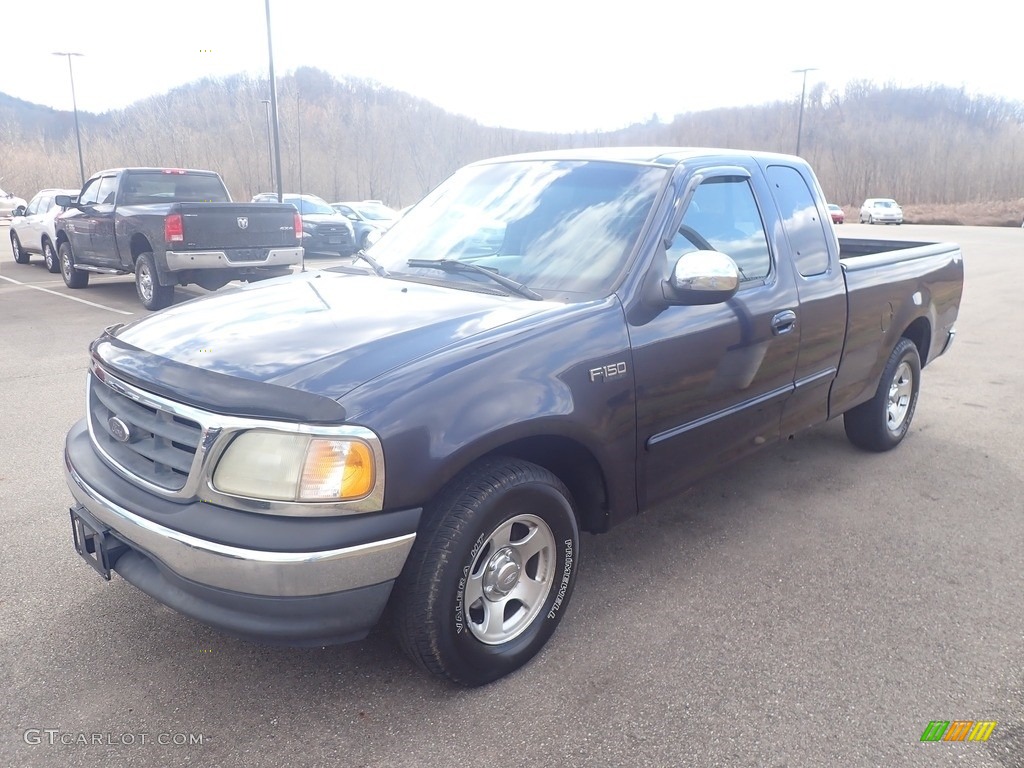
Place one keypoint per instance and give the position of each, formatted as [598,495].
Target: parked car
[838,217]
[32,230]
[9,204]
[881,210]
[171,226]
[367,217]
[324,230]
[433,430]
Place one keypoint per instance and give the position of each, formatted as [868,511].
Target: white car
[9,204]
[33,230]
[881,210]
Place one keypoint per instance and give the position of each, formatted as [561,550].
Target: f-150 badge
[610,371]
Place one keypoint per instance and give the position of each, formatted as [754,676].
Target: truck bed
[886,282]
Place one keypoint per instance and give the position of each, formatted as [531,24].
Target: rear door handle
[783,322]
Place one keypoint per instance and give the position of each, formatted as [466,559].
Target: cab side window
[724,216]
[89,194]
[108,186]
[801,220]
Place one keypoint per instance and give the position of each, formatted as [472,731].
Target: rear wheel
[20,254]
[490,574]
[73,278]
[50,257]
[871,219]
[152,295]
[882,422]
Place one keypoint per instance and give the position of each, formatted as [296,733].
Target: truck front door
[104,247]
[712,381]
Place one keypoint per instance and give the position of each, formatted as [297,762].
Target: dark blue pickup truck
[545,344]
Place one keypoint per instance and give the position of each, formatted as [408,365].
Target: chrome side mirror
[704,277]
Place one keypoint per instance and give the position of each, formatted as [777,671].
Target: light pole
[74,104]
[270,147]
[273,108]
[803,93]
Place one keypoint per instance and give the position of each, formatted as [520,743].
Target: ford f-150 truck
[172,226]
[545,344]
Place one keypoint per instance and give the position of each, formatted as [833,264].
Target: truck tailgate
[226,226]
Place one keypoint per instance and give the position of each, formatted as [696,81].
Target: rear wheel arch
[920,332]
[139,245]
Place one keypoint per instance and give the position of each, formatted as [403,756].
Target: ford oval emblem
[243,222]
[119,430]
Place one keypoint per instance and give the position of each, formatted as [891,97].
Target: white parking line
[65,296]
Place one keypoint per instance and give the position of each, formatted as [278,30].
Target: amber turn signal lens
[336,469]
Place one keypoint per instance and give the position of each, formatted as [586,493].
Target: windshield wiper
[454,265]
[361,254]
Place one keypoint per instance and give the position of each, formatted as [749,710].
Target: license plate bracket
[94,542]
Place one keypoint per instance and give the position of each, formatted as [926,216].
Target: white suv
[32,230]
[881,210]
[9,204]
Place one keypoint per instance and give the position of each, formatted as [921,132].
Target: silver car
[881,210]
[32,231]
[9,204]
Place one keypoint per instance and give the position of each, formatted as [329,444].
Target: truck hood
[321,332]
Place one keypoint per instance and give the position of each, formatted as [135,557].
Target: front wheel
[882,422]
[490,574]
[152,295]
[73,278]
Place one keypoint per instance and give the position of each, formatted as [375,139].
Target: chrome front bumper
[270,574]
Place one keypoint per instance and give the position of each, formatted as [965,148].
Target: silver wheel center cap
[501,575]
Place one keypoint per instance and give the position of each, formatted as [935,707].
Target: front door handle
[784,322]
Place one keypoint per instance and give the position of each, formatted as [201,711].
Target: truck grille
[146,441]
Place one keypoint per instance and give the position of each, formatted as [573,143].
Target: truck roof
[644,155]
[156,170]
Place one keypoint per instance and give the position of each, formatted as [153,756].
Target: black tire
[871,219]
[50,257]
[882,422]
[20,254]
[73,278]
[502,530]
[147,285]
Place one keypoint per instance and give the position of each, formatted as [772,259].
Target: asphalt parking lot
[815,606]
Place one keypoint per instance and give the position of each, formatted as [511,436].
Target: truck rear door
[813,254]
[712,381]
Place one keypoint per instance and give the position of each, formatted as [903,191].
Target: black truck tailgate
[227,226]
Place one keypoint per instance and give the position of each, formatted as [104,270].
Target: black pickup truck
[172,226]
[545,344]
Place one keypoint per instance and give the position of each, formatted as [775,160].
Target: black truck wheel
[490,574]
[152,295]
[882,422]
[20,254]
[73,278]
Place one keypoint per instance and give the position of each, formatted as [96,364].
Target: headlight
[278,466]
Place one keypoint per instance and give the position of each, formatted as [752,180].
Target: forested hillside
[360,140]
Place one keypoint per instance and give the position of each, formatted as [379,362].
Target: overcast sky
[558,65]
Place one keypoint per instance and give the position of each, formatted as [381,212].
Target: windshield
[562,226]
[306,205]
